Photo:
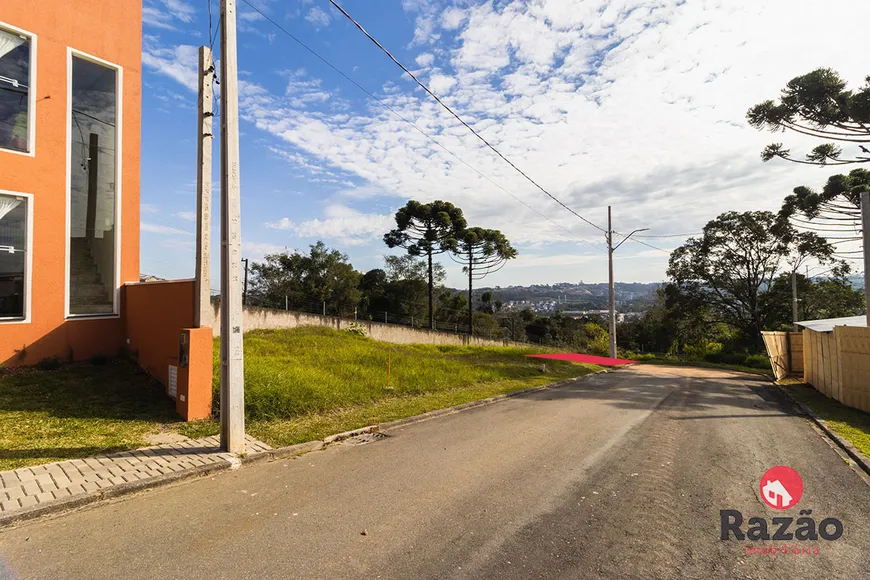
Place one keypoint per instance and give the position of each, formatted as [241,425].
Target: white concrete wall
[255,318]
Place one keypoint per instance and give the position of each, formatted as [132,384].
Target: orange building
[70,109]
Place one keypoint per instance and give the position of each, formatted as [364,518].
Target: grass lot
[77,411]
[305,383]
[851,424]
[300,385]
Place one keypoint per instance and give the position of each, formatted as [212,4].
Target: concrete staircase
[88,294]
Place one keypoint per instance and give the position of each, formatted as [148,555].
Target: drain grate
[366,438]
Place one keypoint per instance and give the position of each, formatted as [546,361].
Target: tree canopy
[724,272]
[301,281]
[481,251]
[426,229]
[818,104]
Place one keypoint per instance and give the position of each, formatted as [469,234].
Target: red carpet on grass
[585,358]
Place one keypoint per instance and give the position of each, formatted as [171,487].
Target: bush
[357,329]
[728,358]
[757,361]
[51,363]
[98,360]
[702,349]
[644,356]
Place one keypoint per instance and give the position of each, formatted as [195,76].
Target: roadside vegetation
[852,424]
[300,384]
[77,410]
[305,383]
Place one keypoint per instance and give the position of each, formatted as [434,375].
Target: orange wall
[156,312]
[110,30]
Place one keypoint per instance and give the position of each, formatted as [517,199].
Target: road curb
[288,452]
[853,452]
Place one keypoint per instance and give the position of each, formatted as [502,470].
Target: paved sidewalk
[28,488]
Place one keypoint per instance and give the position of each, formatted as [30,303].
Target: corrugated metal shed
[828,324]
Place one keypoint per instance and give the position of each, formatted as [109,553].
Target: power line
[458,118]
[671,235]
[400,116]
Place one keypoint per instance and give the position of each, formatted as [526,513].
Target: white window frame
[31,107]
[28,262]
[119,88]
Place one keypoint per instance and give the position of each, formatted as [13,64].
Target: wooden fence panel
[809,358]
[796,344]
[853,345]
[776,344]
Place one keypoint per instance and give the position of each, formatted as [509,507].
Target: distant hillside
[574,296]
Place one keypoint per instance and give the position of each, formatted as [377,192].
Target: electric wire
[458,118]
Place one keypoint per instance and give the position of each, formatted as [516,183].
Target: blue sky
[635,103]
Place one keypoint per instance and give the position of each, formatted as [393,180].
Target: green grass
[708,365]
[852,424]
[305,383]
[300,385]
[77,411]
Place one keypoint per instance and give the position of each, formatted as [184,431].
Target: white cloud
[167,14]
[318,17]
[187,215]
[163,230]
[341,223]
[629,103]
[452,18]
[256,251]
[441,84]
[425,59]
[179,63]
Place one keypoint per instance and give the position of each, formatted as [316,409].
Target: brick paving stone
[25,474]
[62,481]
[9,478]
[44,497]
[9,505]
[28,501]
[25,487]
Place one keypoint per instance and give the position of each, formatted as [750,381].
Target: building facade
[70,101]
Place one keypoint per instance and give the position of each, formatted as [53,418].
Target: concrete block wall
[255,318]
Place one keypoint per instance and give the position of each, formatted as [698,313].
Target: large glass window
[93,120]
[14,91]
[13,255]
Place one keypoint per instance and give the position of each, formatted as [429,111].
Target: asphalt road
[621,475]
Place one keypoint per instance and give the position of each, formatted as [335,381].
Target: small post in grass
[389,363]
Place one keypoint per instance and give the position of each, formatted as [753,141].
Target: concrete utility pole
[610,249]
[865,228]
[794,300]
[612,293]
[232,358]
[204,141]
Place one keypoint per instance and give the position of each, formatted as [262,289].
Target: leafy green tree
[407,267]
[323,275]
[823,298]
[819,105]
[427,229]
[723,273]
[481,252]
[450,307]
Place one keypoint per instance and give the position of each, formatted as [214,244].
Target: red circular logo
[781,487]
